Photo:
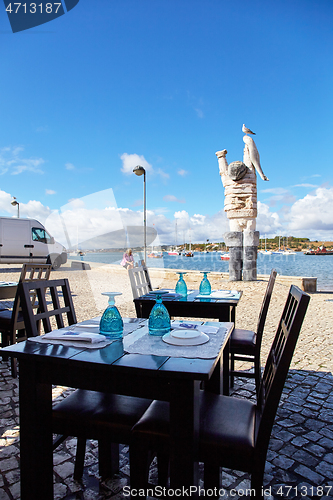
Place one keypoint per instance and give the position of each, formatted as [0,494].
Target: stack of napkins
[92,338]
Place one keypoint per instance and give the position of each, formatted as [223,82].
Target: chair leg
[212,477]
[79,459]
[257,482]
[257,374]
[232,369]
[108,458]
[13,364]
[140,460]
[163,468]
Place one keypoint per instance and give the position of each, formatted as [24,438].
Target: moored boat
[320,251]
[225,256]
[155,255]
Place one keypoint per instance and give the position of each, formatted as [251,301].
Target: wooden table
[7,290]
[191,307]
[110,369]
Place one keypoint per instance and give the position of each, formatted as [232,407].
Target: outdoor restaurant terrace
[299,460]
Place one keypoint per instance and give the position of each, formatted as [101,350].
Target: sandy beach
[314,345]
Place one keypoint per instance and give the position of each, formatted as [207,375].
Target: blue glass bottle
[181,287]
[111,324]
[205,287]
[159,319]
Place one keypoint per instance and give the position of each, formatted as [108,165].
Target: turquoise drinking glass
[181,287]
[111,324]
[159,320]
[205,287]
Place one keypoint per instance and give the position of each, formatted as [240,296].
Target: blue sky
[165,84]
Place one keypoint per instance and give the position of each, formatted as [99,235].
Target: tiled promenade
[300,457]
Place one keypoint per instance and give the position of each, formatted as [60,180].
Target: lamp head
[138,170]
[14,202]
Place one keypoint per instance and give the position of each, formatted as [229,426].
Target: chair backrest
[140,281]
[29,272]
[35,272]
[277,366]
[265,305]
[54,301]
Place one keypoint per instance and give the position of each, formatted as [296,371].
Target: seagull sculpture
[254,156]
[247,130]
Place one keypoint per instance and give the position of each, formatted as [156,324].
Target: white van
[26,240]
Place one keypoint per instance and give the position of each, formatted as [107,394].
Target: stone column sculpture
[240,190]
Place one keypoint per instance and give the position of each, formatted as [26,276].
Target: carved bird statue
[247,130]
[254,156]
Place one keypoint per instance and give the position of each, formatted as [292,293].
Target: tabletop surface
[115,358]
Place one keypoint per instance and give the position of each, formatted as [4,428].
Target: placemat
[92,326]
[151,345]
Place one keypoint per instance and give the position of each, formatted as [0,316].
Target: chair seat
[243,341]
[97,415]
[6,317]
[227,428]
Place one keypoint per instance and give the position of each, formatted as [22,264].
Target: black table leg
[35,435]
[226,368]
[184,432]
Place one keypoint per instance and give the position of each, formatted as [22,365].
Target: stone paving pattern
[300,456]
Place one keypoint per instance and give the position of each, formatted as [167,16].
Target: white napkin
[192,326]
[71,335]
[208,329]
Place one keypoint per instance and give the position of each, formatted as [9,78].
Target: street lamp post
[141,171]
[16,203]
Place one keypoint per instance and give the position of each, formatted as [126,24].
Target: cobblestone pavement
[299,462]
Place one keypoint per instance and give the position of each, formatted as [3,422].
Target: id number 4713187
[312,491]
[33,8]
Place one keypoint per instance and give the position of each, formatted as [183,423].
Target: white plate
[202,339]
[185,333]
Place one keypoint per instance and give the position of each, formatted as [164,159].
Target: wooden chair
[245,345]
[140,280]
[234,433]
[11,321]
[107,418]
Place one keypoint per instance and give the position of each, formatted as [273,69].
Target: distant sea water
[320,267]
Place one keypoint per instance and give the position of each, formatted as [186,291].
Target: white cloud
[268,222]
[69,166]
[199,112]
[49,191]
[312,215]
[33,209]
[306,185]
[12,162]
[182,172]
[5,203]
[171,197]
[163,174]
[130,161]
[276,191]
[196,104]
[280,196]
